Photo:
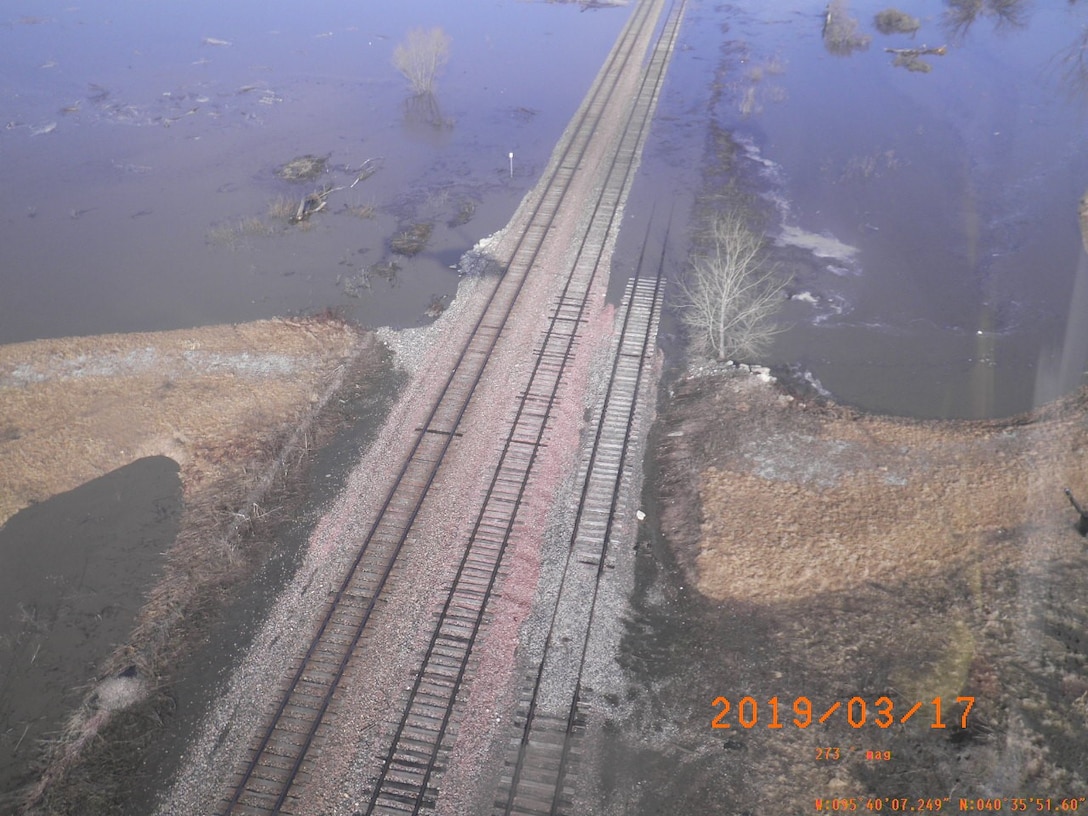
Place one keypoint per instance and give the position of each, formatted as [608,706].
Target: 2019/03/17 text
[858,711]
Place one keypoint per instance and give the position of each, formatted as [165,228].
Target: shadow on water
[73,571]
[361,413]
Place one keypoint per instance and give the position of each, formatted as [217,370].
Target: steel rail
[546,208]
[416,759]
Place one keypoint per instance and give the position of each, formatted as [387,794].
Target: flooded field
[801,552]
[928,216]
[151,161]
[140,149]
[924,201]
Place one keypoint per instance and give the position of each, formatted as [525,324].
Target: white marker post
[511,165]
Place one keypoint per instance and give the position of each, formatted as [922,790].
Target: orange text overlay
[960,804]
[748,712]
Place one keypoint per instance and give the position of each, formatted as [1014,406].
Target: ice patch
[814,382]
[826,306]
[822,245]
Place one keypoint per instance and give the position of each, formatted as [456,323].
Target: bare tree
[731,292]
[421,56]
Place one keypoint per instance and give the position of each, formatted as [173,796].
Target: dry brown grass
[235,406]
[282,208]
[364,210]
[232,234]
[80,407]
[888,556]
[836,499]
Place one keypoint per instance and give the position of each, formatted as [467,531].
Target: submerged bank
[199,436]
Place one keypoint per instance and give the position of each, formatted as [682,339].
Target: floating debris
[303,168]
[412,240]
[436,307]
[367,169]
[841,35]
[313,203]
[310,204]
[465,210]
[386,270]
[822,246]
[909,57]
[355,285]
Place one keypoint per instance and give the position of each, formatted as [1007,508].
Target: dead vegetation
[894,21]
[731,291]
[282,208]
[960,15]
[411,241]
[842,35]
[233,234]
[422,55]
[882,556]
[303,168]
[239,416]
[466,208]
[910,58]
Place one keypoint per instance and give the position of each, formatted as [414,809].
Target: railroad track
[279,763]
[553,707]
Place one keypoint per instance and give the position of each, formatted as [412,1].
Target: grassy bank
[238,408]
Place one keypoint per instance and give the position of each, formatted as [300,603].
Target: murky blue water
[956,191]
[133,138]
[133,141]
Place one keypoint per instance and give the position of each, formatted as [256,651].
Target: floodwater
[69,593]
[138,152]
[139,148]
[929,219]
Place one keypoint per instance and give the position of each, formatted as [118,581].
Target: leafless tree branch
[731,293]
[421,56]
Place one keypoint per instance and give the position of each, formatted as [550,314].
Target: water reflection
[129,134]
[959,190]
[962,14]
[1073,64]
[423,118]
